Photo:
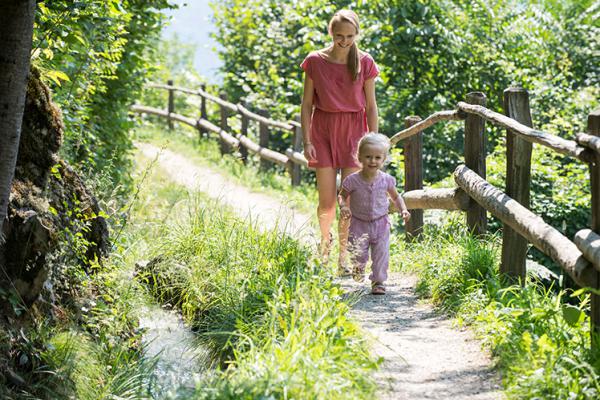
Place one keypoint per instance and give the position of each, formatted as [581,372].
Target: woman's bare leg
[343,225]
[327,204]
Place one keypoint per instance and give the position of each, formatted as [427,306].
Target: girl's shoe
[377,288]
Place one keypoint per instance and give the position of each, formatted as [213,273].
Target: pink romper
[339,119]
[370,226]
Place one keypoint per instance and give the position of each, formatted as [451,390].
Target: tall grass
[540,339]
[268,314]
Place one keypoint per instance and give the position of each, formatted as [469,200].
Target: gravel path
[424,356]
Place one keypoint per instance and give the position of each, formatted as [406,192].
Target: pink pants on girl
[373,235]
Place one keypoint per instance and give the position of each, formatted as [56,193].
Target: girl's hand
[345,212]
[405,216]
[310,152]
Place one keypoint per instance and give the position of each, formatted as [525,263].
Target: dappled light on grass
[539,335]
[263,308]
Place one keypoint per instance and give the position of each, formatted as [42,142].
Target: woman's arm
[305,117]
[371,106]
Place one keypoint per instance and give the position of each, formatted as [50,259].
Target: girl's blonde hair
[374,139]
[354,55]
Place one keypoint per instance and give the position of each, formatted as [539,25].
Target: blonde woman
[338,109]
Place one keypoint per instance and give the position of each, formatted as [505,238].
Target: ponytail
[354,55]
[354,62]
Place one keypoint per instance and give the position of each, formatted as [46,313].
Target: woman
[338,109]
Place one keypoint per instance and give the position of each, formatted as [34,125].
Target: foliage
[261,306]
[539,338]
[95,55]
[431,53]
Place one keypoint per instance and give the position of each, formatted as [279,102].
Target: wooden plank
[258,117]
[593,129]
[297,158]
[245,122]
[171,103]
[223,145]
[518,176]
[558,144]
[453,115]
[475,155]
[543,236]
[437,199]
[263,137]
[413,176]
[295,169]
[588,242]
[203,113]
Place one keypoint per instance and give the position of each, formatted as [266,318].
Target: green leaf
[572,315]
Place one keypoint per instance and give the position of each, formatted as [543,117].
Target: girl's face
[372,157]
[343,34]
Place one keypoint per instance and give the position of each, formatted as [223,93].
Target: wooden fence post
[263,138]
[475,159]
[297,145]
[171,104]
[413,175]
[594,129]
[203,113]
[518,177]
[223,146]
[244,132]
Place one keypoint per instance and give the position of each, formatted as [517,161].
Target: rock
[49,203]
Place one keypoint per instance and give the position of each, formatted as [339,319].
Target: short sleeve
[391,183]
[371,69]
[348,184]
[307,66]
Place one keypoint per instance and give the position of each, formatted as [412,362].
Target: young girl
[368,190]
[338,108]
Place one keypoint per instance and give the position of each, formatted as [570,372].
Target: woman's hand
[310,152]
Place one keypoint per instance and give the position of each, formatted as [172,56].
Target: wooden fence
[580,258]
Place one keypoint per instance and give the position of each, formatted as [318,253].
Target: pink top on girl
[369,200]
[335,91]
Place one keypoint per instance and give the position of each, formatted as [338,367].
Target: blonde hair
[374,139]
[354,55]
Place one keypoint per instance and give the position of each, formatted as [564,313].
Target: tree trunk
[16,30]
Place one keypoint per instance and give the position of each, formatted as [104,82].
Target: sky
[192,23]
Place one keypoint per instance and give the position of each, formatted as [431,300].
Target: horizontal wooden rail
[454,115]
[438,199]
[589,141]
[297,157]
[588,242]
[267,121]
[556,143]
[234,141]
[532,227]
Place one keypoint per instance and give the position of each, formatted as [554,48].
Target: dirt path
[425,357]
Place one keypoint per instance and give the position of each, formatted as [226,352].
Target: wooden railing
[580,258]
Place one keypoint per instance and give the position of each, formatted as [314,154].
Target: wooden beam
[262,119]
[543,236]
[453,115]
[563,146]
[588,242]
[475,155]
[437,199]
[518,176]
[413,176]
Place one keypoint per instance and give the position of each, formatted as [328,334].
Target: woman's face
[343,34]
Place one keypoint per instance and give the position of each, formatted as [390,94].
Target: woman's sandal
[377,288]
